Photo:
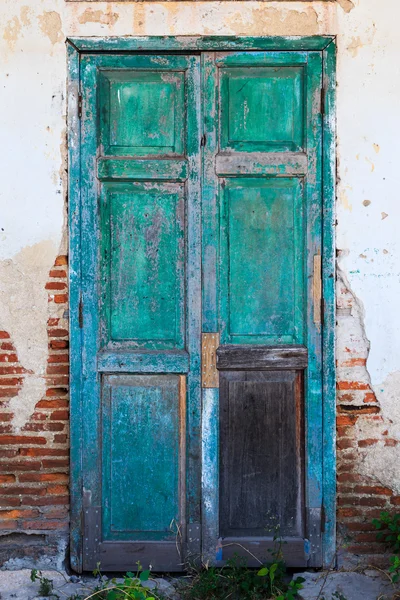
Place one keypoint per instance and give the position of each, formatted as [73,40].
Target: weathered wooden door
[262,429]
[140,309]
[199,307]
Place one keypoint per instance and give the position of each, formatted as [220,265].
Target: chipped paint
[97,16]
[347,5]
[11,32]
[50,24]
[24,313]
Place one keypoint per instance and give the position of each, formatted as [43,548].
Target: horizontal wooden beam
[261,163]
[111,169]
[167,361]
[260,358]
[212,43]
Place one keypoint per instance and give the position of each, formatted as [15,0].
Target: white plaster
[368,120]
[32,120]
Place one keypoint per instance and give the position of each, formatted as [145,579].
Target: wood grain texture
[261,438]
[259,358]
[209,373]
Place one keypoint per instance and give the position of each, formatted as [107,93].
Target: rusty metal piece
[209,372]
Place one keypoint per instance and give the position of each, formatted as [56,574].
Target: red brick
[20,439]
[53,463]
[20,465]
[7,478]
[45,501]
[58,273]
[346,419]
[6,416]
[11,381]
[359,410]
[368,442]
[56,403]
[57,490]
[373,489]
[7,346]
[352,385]
[60,438]
[8,392]
[42,525]
[349,477]
[58,370]
[53,321]
[367,549]
[4,335]
[360,527]
[58,344]
[395,500]
[56,285]
[12,370]
[20,491]
[61,298]
[10,358]
[10,501]
[18,514]
[348,512]
[56,513]
[58,358]
[60,415]
[61,260]
[56,392]
[43,452]
[365,537]
[41,426]
[354,362]
[369,397]
[9,525]
[34,477]
[345,443]
[57,332]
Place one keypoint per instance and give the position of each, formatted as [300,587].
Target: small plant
[45,584]
[238,582]
[131,588]
[388,527]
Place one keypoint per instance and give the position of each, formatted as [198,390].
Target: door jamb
[326,44]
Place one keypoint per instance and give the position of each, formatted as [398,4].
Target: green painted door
[200,214]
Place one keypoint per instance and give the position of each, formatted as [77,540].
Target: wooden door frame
[76,47]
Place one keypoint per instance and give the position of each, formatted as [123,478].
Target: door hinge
[317,289]
[79,106]
[203,140]
[80,313]
[322,101]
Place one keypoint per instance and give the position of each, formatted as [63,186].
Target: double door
[200,308]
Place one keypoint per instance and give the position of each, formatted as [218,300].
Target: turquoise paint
[140,480]
[158,44]
[328,283]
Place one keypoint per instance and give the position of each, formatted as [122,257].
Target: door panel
[261,451]
[262,108]
[263,302]
[140,308]
[143,235]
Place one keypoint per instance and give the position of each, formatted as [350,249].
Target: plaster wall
[33,171]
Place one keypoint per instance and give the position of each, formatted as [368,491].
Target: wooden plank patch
[209,373]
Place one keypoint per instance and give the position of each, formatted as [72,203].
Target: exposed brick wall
[360,425]
[34,461]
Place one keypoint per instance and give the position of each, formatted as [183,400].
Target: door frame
[76,47]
